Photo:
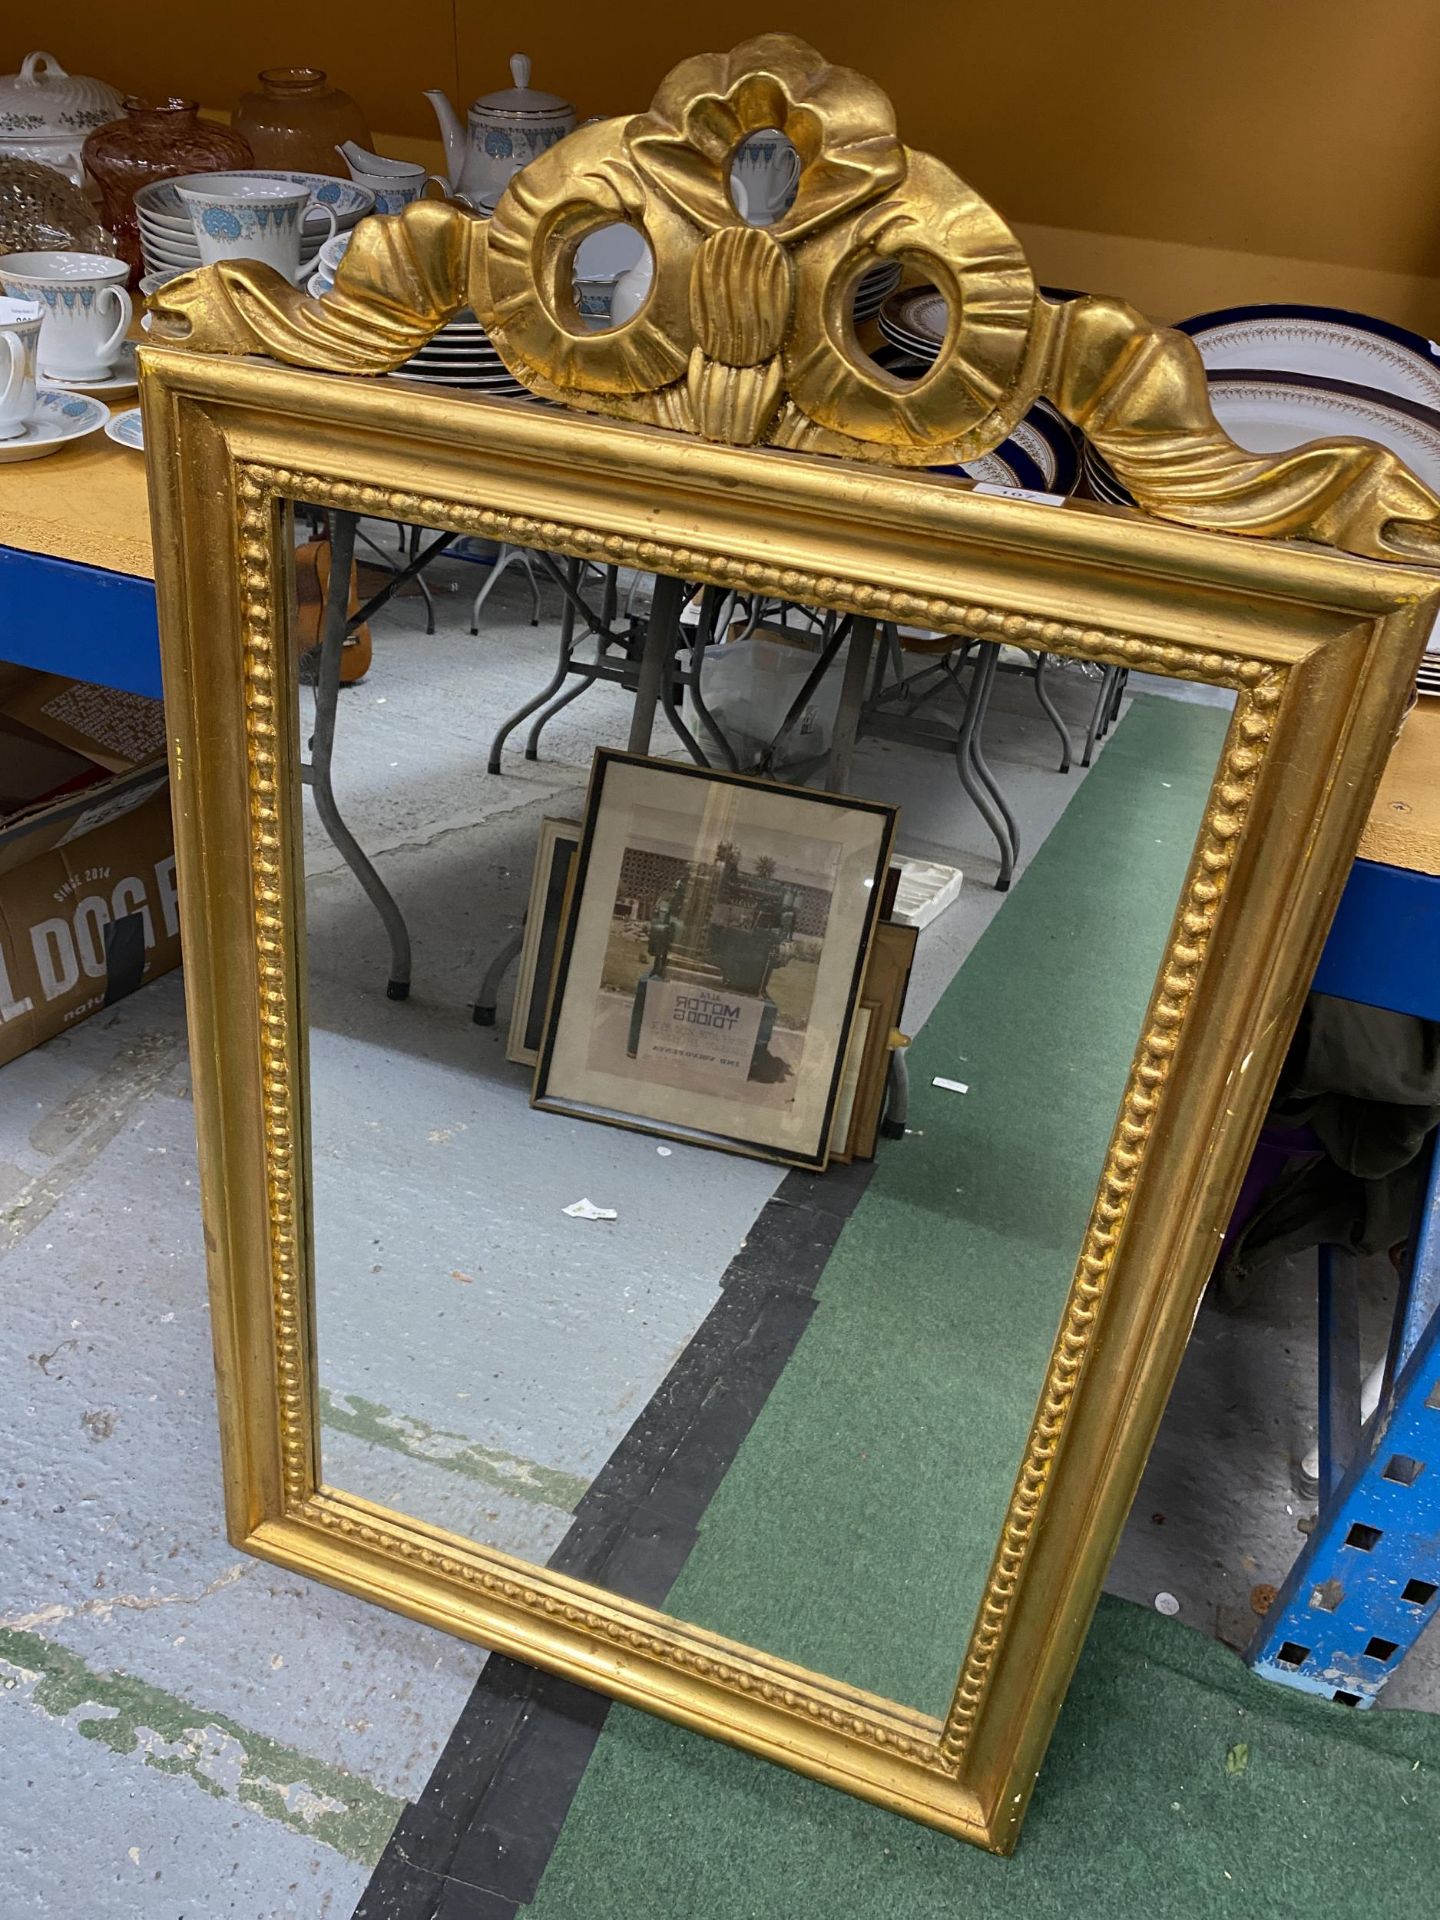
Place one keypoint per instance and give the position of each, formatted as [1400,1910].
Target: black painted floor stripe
[474,1845]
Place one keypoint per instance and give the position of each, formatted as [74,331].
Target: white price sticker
[1022,493]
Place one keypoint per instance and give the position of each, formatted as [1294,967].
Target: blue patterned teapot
[506,131]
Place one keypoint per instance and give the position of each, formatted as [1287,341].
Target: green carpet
[1177,1788]
[854,1529]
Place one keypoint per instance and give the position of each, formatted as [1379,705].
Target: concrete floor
[525,1342]
[186,1731]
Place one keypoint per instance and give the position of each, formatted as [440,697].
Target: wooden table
[1384,946]
[77,571]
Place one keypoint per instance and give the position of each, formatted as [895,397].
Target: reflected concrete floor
[481,1353]
[186,1731]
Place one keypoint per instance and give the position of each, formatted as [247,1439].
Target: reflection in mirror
[764,177]
[788,1406]
[612,273]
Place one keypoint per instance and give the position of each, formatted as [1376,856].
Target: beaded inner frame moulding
[683,477]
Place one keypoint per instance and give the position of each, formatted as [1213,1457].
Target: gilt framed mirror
[888,1584]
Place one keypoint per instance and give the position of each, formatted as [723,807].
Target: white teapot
[505,131]
[45,113]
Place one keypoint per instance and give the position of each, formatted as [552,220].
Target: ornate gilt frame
[1320,648]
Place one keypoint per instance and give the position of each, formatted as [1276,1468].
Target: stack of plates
[1100,479]
[326,261]
[167,239]
[461,355]
[915,321]
[1281,375]
[1054,446]
[1042,454]
[875,289]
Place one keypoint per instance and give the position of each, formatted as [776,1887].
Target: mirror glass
[786,1405]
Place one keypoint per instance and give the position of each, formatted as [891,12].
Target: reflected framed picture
[544,921]
[712,959]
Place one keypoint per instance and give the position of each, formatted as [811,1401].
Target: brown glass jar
[296,119]
[155,141]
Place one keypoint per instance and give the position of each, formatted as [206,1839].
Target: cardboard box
[87,855]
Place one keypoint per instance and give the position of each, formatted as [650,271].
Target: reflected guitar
[312,583]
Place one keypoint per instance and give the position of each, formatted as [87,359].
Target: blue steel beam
[85,622]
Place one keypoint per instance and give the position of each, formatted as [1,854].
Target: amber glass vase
[296,119]
[155,141]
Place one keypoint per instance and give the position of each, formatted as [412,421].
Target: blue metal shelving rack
[1368,1580]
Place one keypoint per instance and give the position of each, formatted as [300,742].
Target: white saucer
[59,418]
[127,430]
[122,378]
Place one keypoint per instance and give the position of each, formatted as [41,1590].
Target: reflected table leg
[657,656]
[316,774]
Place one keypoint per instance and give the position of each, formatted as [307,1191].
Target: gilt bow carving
[747,334]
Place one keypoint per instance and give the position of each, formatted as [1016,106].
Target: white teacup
[87,310]
[20,323]
[240,216]
[763,176]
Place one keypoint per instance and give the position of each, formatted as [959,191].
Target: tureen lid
[522,97]
[44,102]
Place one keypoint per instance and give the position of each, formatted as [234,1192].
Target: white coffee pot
[503,132]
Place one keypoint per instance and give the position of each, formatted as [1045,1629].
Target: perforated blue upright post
[1368,1581]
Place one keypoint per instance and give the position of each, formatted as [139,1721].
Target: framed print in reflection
[713,955]
[544,919]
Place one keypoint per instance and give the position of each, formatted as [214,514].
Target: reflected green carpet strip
[854,1529]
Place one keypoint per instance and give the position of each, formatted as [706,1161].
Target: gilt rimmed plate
[1322,343]
[1007,465]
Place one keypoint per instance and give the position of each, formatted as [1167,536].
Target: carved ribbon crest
[747,334]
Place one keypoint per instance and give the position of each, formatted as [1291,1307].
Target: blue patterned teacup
[244,216]
[87,310]
[763,176]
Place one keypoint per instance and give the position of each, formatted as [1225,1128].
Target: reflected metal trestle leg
[336,623]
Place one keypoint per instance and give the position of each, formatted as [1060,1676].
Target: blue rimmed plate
[1319,343]
[127,430]
[1043,443]
[59,418]
[1052,444]
[1273,412]
[159,204]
